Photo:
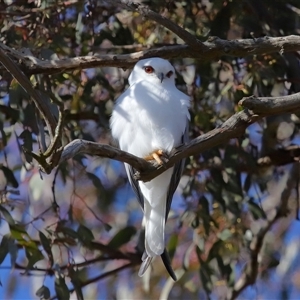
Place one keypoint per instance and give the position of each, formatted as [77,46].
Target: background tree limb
[216,48]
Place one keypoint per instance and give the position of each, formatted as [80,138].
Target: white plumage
[152,115]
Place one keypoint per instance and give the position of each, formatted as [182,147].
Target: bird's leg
[156,156]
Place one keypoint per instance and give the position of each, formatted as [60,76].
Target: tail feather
[155,203]
[145,264]
[155,206]
[166,260]
[155,228]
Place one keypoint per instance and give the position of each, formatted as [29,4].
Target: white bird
[149,119]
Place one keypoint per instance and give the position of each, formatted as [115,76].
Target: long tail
[155,226]
[155,202]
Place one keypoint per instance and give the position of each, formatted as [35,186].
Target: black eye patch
[169,74]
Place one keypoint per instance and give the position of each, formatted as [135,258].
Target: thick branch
[91,148]
[263,105]
[217,48]
[232,128]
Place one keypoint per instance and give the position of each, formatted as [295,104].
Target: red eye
[148,69]
[169,74]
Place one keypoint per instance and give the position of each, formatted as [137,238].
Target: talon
[160,152]
[156,156]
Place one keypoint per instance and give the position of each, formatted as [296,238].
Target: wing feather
[177,172]
[134,184]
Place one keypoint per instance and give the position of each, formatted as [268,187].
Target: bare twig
[100,277]
[133,258]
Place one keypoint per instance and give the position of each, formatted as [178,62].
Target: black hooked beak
[161,77]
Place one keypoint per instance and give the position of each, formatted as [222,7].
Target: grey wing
[177,172]
[134,184]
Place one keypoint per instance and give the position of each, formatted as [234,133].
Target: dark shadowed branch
[280,157]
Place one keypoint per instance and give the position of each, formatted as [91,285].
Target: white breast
[149,117]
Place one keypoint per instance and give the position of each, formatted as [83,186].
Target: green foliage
[61,288]
[122,237]
[43,292]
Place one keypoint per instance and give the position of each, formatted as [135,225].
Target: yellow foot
[156,156]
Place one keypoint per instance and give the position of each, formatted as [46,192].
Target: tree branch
[81,146]
[232,128]
[217,48]
[100,277]
[212,49]
[275,104]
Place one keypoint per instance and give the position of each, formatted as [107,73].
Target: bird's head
[156,70]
